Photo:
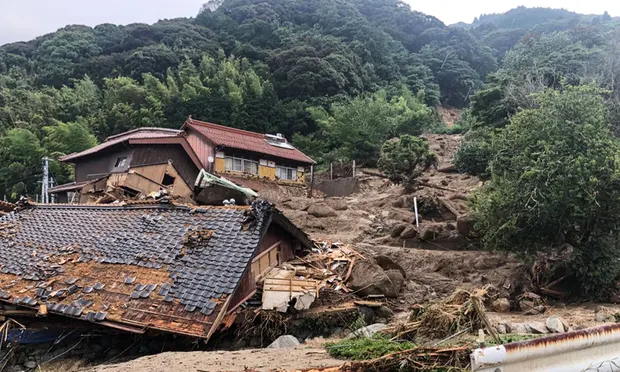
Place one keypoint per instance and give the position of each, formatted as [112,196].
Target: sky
[22,20]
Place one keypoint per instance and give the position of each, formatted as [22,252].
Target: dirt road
[227,361]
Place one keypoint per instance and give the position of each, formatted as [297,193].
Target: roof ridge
[141,129]
[229,129]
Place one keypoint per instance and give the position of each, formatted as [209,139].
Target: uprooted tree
[404,159]
[555,184]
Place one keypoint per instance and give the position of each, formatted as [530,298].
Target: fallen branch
[449,207]
[426,184]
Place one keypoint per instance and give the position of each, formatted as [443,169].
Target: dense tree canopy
[340,77]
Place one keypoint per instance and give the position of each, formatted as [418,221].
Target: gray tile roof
[138,264]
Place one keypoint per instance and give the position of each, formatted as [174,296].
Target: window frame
[294,174]
[238,164]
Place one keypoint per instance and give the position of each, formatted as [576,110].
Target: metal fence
[595,349]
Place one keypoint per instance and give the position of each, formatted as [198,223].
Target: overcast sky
[27,19]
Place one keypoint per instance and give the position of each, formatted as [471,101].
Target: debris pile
[463,312]
[297,283]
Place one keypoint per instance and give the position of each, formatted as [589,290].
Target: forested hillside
[338,76]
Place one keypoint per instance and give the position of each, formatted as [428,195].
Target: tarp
[206,179]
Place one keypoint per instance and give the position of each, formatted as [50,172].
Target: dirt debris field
[379,222]
[260,360]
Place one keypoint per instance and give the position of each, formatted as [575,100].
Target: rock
[501,329]
[387,263]
[501,305]
[540,309]
[368,278]
[444,182]
[284,342]
[402,215]
[400,202]
[313,223]
[430,232]
[602,315]
[555,324]
[397,280]
[384,312]
[518,328]
[368,331]
[397,230]
[321,210]
[337,204]
[450,226]
[537,327]
[409,232]
[297,204]
[31,364]
[465,225]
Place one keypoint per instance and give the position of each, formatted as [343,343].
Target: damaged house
[243,155]
[132,164]
[140,267]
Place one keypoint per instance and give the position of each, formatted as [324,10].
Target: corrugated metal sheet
[594,349]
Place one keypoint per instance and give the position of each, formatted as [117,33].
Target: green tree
[554,181]
[403,160]
[20,156]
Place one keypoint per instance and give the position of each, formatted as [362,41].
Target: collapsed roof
[165,267]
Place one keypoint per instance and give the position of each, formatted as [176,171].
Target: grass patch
[506,339]
[365,348]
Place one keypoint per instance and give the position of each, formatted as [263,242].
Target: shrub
[404,159]
[555,180]
[474,154]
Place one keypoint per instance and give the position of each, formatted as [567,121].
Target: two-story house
[140,161]
[144,160]
[225,150]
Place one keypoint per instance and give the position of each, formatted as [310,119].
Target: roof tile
[243,140]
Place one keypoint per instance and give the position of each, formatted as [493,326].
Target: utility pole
[46,180]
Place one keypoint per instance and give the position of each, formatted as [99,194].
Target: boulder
[337,204]
[430,232]
[296,204]
[400,202]
[409,232]
[501,329]
[401,215]
[397,230]
[397,280]
[519,328]
[284,342]
[501,305]
[602,315]
[384,312]
[368,331]
[321,211]
[313,223]
[368,278]
[387,263]
[465,225]
[555,324]
[31,364]
[537,328]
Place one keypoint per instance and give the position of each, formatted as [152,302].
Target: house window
[235,164]
[120,162]
[285,173]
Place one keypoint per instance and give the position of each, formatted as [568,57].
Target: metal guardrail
[589,350]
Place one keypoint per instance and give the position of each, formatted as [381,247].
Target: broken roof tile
[144,241]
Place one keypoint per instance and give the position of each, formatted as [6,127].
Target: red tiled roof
[244,140]
[140,133]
